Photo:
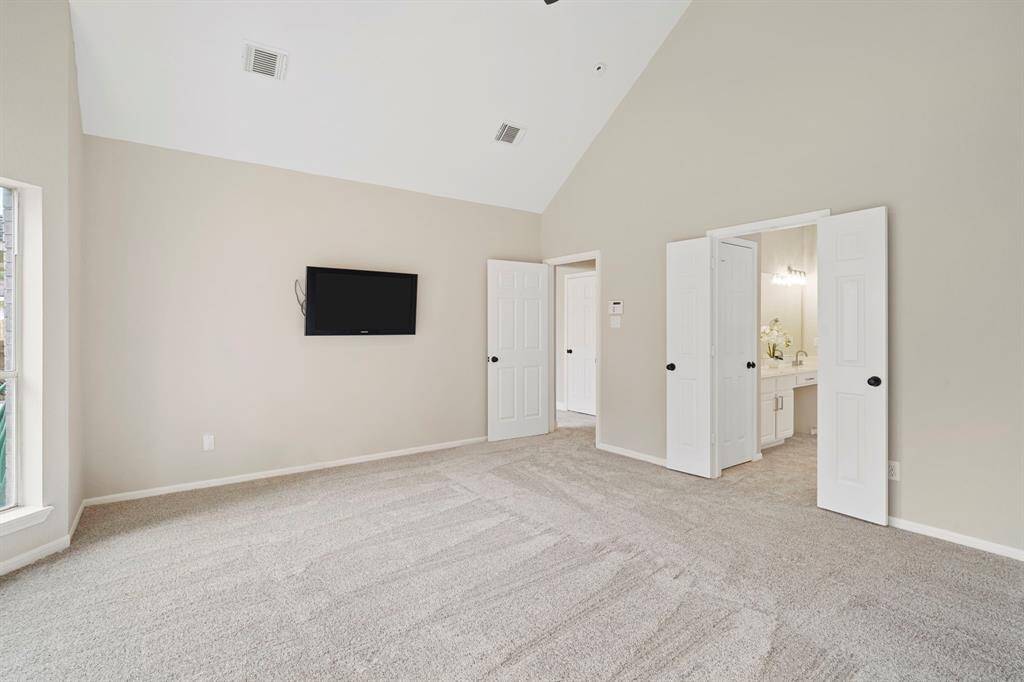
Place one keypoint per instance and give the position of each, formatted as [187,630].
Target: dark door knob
[671,366]
[568,350]
[874,381]
[751,365]
[494,358]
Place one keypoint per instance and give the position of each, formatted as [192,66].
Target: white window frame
[25,423]
[9,373]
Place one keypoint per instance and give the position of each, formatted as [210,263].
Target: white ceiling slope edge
[401,94]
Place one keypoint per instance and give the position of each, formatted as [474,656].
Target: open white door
[581,342]
[688,357]
[736,272]
[518,352]
[853,367]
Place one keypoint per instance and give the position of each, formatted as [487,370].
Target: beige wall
[39,134]
[194,328]
[561,272]
[753,110]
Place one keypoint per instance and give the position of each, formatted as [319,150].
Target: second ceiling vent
[509,133]
[265,61]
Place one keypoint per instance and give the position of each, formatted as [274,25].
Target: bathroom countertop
[787,367]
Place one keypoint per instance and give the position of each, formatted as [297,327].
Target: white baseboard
[302,468]
[560,406]
[950,536]
[632,454]
[33,555]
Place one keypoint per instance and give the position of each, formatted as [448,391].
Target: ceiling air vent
[265,61]
[509,133]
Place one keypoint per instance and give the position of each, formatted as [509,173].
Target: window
[8,354]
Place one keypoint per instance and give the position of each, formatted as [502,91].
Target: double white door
[703,434]
[581,343]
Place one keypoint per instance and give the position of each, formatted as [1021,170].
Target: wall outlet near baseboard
[894,470]
[208,442]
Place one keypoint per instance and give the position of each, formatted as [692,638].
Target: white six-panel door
[736,309]
[688,357]
[581,342]
[518,354]
[853,366]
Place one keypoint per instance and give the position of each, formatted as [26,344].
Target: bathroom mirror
[787,304]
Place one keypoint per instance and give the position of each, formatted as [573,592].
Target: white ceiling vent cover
[265,61]
[509,133]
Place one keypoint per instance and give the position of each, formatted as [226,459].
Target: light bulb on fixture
[790,277]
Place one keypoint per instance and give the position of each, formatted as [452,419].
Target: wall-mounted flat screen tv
[359,302]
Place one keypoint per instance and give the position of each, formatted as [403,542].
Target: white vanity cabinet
[777,387]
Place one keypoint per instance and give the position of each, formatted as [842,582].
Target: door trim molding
[573,258]
[770,225]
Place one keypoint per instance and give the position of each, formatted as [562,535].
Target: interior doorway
[576,340]
[744,348]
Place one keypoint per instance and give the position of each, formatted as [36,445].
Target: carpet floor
[566,419]
[541,558]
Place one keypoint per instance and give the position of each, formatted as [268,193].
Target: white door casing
[688,357]
[581,342]
[518,346]
[735,296]
[853,365]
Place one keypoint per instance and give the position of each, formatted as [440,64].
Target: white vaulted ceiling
[402,94]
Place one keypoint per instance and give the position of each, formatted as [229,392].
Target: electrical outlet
[894,470]
[208,442]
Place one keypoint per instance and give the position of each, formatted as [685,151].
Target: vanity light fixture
[790,277]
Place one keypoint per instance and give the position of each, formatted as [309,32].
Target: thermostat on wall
[614,307]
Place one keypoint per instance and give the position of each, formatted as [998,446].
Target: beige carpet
[535,559]
[573,420]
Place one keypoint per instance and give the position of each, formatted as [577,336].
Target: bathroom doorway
[757,357]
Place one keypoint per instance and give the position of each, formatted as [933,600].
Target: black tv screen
[359,302]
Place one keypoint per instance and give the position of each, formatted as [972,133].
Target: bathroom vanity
[778,386]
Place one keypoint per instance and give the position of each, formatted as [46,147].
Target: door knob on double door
[671,366]
[751,365]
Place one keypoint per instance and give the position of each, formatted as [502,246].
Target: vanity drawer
[785,381]
[768,385]
[806,378]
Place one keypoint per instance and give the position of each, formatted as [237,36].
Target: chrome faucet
[797,361]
